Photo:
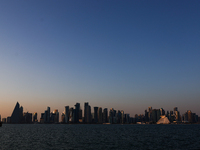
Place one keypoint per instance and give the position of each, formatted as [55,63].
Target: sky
[126,55]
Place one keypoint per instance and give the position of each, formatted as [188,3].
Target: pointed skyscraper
[17,114]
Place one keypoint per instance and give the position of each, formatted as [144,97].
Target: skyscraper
[66,112]
[63,117]
[35,117]
[122,115]
[150,113]
[119,116]
[71,114]
[162,111]
[99,115]
[154,115]
[42,118]
[76,113]
[56,116]
[80,114]
[87,113]
[189,113]
[111,115]
[95,114]
[48,114]
[175,109]
[127,118]
[45,116]
[17,114]
[158,113]
[27,117]
[177,116]
[146,118]
[105,115]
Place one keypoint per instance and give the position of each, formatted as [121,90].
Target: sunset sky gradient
[125,55]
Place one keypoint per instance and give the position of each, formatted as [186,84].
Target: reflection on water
[60,136]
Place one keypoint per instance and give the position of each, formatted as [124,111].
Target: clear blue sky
[122,54]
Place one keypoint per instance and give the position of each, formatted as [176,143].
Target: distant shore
[108,123]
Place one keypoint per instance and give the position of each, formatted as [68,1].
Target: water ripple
[59,136]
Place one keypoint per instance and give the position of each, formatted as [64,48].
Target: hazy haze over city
[126,55]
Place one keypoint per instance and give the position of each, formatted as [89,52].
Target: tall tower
[96,114]
[85,111]
[154,115]
[66,112]
[99,115]
[189,113]
[35,117]
[71,114]
[56,116]
[17,114]
[89,115]
[76,113]
[48,114]
[122,115]
[146,116]
[105,115]
[162,111]
[111,115]
[45,116]
[119,116]
[175,109]
[80,114]
[150,114]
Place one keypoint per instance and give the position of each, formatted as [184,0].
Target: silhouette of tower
[66,112]
[17,114]
[105,115]
[95,114]
[100,115]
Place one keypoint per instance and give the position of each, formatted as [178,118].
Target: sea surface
[63,136]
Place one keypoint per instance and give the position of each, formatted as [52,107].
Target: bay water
[83,136]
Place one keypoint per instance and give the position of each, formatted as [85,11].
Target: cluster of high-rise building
[97,115]
[49,117]
[153,115]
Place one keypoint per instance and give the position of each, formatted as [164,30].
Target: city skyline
[90,114]
[126,55]
[61,109]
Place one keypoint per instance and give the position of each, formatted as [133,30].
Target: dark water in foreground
[58,136]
